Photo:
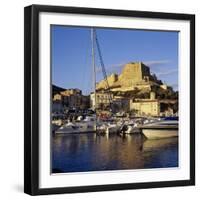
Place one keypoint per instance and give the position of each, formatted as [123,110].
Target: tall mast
[93,64]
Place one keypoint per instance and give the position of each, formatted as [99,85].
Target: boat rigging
[95,41]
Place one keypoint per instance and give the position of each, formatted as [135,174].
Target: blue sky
[71,54]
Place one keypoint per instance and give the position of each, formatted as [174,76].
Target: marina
[152,128]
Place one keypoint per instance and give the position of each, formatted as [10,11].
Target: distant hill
[56,89]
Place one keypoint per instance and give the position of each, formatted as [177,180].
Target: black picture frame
[31,98]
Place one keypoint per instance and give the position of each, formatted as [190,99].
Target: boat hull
[84,128]
[160,133]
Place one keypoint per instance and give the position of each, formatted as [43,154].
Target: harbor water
[92,152]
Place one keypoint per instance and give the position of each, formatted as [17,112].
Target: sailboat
[89,124]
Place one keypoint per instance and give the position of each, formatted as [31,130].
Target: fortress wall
[133,74]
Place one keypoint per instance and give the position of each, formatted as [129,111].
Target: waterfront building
[72,91]
[57,106]
[77,101]
[146,107]
[120,103]
[103,100]
[57,103]
[85,102]
[74,101]
[57,97]
[70,98]
[153,106]
[66,100]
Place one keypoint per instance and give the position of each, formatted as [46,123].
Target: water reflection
[91,152]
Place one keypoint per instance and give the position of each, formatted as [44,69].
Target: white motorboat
[87,125]
[160,129]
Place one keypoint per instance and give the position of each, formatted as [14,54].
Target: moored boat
[160,129]
[87,125]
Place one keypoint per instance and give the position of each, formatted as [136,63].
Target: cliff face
[133,75]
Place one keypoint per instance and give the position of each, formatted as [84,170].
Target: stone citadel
[135,75]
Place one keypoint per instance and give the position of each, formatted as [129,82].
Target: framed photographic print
[109,100]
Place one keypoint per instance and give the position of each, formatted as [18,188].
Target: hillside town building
[103,100]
